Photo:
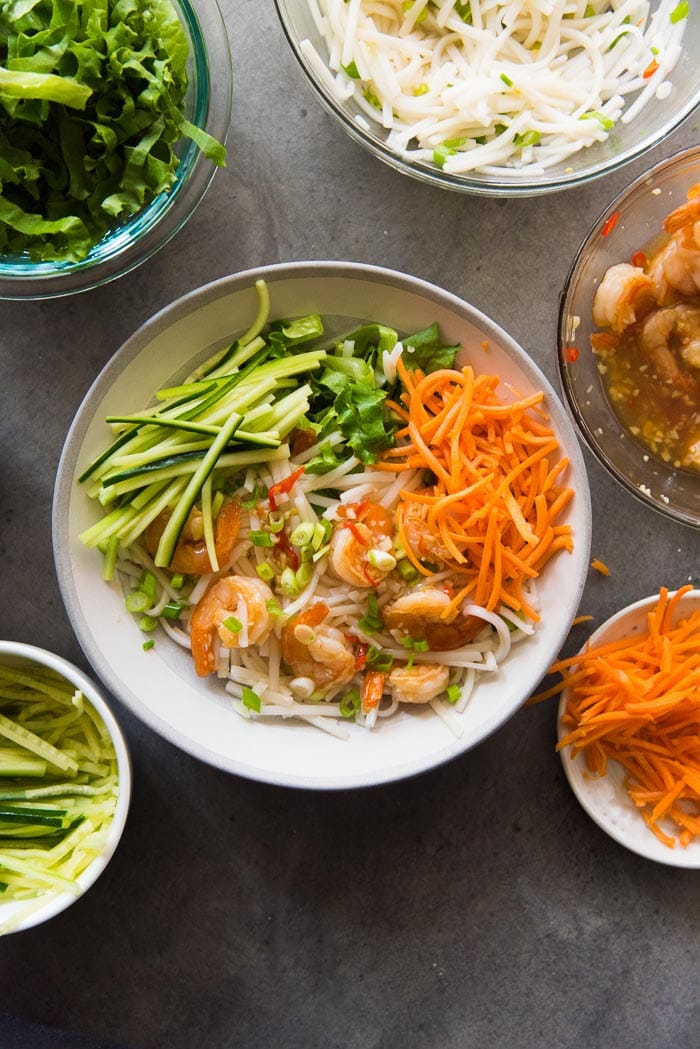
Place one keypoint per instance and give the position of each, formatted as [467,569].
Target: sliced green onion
[352,71]
[148,583]
[381,560]
[679,12]
[350,703]
[147,623]
[137,601]
[178,581]
[275,521]
[304,574]
[288,582]
[453,693]
[441,153]
[147,645]
[233,625]
[408,571]
[529,138]
[172,610]
[261,538]
[605,122]
[506,80]
[380,660]
[250,699]
[303,534]
[265,572]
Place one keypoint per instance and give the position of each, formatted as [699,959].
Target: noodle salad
[333,531]
[496,87]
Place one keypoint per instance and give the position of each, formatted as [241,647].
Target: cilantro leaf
[425,350]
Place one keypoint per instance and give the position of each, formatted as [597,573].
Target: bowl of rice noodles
[321,524]
[504,99]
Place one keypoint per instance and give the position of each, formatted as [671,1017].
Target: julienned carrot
[637,701]
[496,497]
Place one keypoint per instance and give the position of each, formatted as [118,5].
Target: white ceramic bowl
[605,798]
[160,685]
[34,912]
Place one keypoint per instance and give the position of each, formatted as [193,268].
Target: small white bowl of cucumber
[65,785]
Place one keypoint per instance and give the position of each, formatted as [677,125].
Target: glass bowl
[19,914]
[630,223]
[301,20]
[207,105]
[159,684]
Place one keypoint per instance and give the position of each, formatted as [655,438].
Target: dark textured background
[474,907]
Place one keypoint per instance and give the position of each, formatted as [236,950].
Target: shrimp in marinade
[675,269]
[233,611]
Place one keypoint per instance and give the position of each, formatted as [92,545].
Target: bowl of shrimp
[629,337]
[321,524]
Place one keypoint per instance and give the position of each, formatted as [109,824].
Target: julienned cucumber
[236,409]
[176,522]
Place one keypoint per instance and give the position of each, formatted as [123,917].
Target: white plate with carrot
[629,727]
[333,414]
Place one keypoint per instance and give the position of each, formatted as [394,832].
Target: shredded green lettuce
[351,392]
[91,110]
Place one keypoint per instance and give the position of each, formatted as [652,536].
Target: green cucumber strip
[24,738]
[228,459]
[14,761]
[175,424]
[176,522]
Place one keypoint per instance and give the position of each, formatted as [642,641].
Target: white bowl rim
[57,902]
[639,839]
[133,346]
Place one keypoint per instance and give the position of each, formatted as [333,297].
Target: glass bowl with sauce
[632,380]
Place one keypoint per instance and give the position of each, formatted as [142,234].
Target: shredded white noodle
[493,87]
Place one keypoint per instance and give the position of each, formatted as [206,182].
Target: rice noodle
[496,87]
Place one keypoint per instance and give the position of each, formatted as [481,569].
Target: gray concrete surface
[474,907]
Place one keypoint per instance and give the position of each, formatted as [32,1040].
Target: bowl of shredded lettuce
[503,99]
[65,785]
[112,126]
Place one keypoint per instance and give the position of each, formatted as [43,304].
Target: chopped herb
[250,699]
[352,70]
[529,138]
[679,12]
[261,538]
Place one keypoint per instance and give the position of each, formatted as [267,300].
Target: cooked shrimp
[676,267]
[623,295]
[191,556]
[235,610]
[361,545]
[419,683]
[420,537]
[669,338]
[425,614]
[315,651]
